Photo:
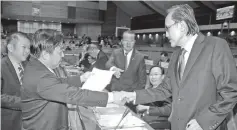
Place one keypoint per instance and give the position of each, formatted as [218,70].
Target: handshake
[123,97]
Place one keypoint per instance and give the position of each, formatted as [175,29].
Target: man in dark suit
[101,58]
[18,46]
[201,78]
[129,66]
[44,95]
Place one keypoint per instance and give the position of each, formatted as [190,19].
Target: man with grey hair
[201,77]
[129,66]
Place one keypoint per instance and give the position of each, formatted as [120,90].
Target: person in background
[83,57]
[153,111]
[96,53]
[129,66]
[92,61]
[12,70]
[164,60]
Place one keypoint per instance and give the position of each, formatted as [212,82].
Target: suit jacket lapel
[122,59]
[175,66]
[12,70]
[195,52]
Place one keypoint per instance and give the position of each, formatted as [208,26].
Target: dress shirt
[16,65]
[188,47]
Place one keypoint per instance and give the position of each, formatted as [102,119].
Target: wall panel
[17,8]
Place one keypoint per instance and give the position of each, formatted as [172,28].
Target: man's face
[90,59]
[128,42]
[173,32]
[55,57]
[21,50]
[93,51]
[163,57]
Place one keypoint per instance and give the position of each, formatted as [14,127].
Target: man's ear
[10,47]
[45,55]
[183,26]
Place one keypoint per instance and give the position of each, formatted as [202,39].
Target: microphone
[123,116]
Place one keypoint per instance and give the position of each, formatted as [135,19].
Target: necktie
[126,58]
[181,63]
[21,73]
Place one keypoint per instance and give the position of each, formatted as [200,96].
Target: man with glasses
[201,77]
[129,66]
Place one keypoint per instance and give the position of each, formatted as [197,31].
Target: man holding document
[44,95]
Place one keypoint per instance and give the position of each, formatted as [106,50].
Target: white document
[99,80]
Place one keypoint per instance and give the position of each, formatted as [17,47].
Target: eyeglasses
[168,27]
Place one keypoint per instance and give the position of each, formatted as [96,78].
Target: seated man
[154,111]
[129,65]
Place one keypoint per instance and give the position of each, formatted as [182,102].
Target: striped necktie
[181,63]
[21,73]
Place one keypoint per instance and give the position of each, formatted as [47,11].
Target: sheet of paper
[99,80]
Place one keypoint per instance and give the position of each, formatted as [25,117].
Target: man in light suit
[129,66]
[18,49]
[44,95]
[201,77]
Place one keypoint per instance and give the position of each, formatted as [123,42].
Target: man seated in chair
[158,111]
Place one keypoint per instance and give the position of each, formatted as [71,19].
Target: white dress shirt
[188,47]
[129,55]
[16,65]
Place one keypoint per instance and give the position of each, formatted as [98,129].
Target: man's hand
[193,125]
[118,72]
[85,76]
[123,97]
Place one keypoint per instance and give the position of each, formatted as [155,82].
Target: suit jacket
[44,97]
[10,97]
[100,61]
[134,78]
[160,108]
[207,91]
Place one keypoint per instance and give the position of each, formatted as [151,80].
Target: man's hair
[130,32]
[15,37]
[185,13]
[164,53]
[161,68]
[46,40]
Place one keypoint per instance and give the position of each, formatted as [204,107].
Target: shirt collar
[128,52]
[188,46]
[14,62]
[51,70]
